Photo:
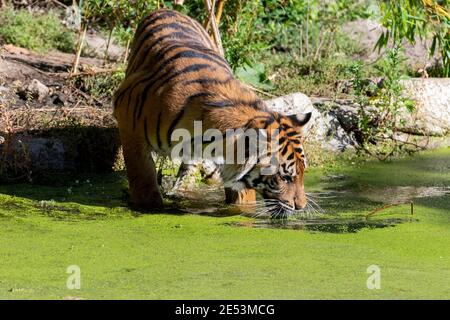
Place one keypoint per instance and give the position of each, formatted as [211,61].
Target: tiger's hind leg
[142,177]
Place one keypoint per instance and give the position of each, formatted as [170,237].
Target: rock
[432,114]
[59,150]
[294,104]
[366,32]
[34,90]
[96,47]
[46,154]
[291,104]
[4,91]
[329,129]
[72,17]
[331,134]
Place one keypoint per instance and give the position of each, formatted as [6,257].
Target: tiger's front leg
[245,199]
[145,194]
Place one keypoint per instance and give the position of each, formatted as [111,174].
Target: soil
[19,67]
[61,128]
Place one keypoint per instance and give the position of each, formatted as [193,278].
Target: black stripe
[192,68]
[203,33]
[158,129]
[291,156]
[179,55]
[219,104]
[206,81]
[257,180]
[155,16]
[157,41]
[298,150]
[129,71]
[144,24]
[292,134]
[172,25]
[206,54]
[186,32]
[269,121]
[285,150]
[146,132]
[181,114]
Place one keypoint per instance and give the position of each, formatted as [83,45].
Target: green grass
[161,256]
[39,32]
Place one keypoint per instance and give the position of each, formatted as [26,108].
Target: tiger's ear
[300,119]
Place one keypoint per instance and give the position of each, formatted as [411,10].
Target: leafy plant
[254,75]
[381,115]
[409,19]
[39,32]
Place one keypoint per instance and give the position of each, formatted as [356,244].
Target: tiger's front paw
[147,204]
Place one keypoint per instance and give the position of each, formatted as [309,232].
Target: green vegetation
[100,87]
[278,46]
[380,114]
[306,49]
[83,221]
[410,20]
[39,32]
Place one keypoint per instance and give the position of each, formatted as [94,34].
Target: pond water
[340,203]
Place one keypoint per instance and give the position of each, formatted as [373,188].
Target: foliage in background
[307,50]
[380,115]
[410,19]
[41,32]
[301,31]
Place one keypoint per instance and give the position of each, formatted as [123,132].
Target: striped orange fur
[176,76]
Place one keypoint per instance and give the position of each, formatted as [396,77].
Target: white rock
[432,113]
[37,90]
[325,129]
[294,104]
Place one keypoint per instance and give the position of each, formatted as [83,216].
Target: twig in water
[389,206]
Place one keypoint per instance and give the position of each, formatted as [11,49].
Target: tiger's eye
[286,178]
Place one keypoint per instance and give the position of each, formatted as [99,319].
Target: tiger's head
[278,173]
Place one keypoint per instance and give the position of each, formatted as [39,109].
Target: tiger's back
[163,28]
[174,66]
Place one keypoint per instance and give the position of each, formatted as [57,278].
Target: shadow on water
[339,225]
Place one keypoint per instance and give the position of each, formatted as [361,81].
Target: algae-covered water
[361,217]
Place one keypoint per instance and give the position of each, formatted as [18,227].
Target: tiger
[176,76]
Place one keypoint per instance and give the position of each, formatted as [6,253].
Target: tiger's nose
[300,203]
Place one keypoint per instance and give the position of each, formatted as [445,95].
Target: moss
[84,221]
